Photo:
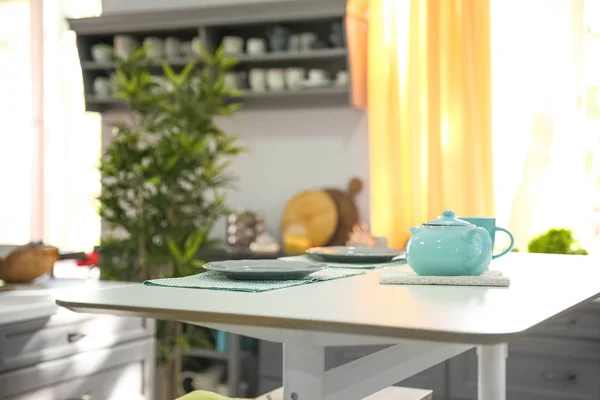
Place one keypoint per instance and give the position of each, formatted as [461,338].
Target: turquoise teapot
[449,246]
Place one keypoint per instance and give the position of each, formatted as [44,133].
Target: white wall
[294,150]
[291,150]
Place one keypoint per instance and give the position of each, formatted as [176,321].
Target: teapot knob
[448,213]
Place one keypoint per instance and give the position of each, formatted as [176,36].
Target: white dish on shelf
[312,84]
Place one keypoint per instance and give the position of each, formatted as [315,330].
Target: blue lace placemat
[217,281]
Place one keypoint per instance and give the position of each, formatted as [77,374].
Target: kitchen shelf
[94,65]
[330,96]
[326,91]
[320,54]
[211,24]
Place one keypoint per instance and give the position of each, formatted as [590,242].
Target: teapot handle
[486,248]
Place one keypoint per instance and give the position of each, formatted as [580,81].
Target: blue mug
[489,224]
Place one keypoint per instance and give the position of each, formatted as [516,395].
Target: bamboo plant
[164,174]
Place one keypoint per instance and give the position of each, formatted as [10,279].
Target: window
[539,65]
[62,203]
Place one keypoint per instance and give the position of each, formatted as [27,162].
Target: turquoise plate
[264,269]
[355,254]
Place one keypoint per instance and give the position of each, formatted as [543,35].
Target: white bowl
[102,53]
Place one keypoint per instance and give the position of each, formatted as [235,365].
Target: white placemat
[217,281]
[394,276]
[307,258]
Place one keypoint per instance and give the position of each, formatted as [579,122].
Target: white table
[425,324]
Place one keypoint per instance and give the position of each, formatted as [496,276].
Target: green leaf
[169,73]
[171,162]
[184,76]
[183,342]
[205,53]
[220,53]
[228,62]
[198,263]
[192,244]
[174,249]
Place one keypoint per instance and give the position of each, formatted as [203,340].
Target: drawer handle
[565,377]
[75,337]
[87,396]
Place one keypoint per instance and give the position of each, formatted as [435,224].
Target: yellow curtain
[429,107]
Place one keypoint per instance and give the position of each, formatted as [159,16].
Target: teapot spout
[414,229]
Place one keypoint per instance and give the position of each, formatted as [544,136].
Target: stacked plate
[264,269]
[286,270]
[355,254]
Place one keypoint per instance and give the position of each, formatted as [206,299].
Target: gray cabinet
[77,356]
[119,372]
[558,360]
[63,334]
[537,368]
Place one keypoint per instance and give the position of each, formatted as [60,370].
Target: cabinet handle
[565,377]
[87,396]
[75,337]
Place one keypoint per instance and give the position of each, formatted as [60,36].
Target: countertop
[22,302]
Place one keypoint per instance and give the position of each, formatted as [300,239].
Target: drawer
[86,372]
[64,334]
[584,323]
[123,382]
[537,368]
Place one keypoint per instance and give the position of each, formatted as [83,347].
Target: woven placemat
[217,281]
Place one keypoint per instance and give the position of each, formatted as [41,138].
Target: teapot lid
[447,219]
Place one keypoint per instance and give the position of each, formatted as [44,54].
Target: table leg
[303,371]
[492,372]
[234,364]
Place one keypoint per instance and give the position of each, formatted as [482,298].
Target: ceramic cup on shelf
[489,224]
[278,38]
[342,78]
[317,75]
[172,46]
[124,45]
[232,80]
[276,79]
[295,43]
[102,87]
[256,46]
[258,80]
[186,50]
[102,53]
[153,47]
[294,77]
[307,39]
[337,37]
[233,45]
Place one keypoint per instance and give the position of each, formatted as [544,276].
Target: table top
[542,286]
